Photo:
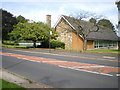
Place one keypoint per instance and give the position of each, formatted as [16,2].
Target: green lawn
[9,85]
[13,46]
[104,50]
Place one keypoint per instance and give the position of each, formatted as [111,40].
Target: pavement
[20,80]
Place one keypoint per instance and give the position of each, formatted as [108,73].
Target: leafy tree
[106,23]
[21,19]
[8,21]
[31,31]
[92,20]
[117,2]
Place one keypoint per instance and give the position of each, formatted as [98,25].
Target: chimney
[48,19]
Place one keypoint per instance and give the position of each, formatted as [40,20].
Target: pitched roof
[102,34]
[106,34]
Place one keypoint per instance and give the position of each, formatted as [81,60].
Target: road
[63,70]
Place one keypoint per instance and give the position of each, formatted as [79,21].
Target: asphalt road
[109,60]
[61,77]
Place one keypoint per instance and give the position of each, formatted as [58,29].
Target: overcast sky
[38,9]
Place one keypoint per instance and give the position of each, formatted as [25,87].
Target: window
[103,43]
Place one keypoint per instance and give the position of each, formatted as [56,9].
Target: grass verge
[104,50]
[13,46]
[9,85]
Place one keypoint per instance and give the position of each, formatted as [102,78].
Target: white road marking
[54,61]
[87,67]
[86,71]
[93,72]
[62,66]
[108,57]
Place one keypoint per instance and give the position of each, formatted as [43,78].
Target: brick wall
[77,42]
[90,44]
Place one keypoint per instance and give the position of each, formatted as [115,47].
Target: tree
[117,2]
[106,23]
[92,20]
[31,31]
[8,21]
[21,19]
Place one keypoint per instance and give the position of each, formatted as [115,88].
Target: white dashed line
[109,57]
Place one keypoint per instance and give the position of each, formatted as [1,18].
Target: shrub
[57,44]
[10,42]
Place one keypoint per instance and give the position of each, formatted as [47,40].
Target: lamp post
[50,39]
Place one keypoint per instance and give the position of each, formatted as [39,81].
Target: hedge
[57,44]
[10,42]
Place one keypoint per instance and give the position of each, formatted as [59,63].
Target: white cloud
[41,15]
[108,10]
[58,0]
[38,14]
[101,9]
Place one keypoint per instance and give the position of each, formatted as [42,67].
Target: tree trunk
[34,43]
[85,45]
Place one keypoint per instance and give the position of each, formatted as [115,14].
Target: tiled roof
[102,34]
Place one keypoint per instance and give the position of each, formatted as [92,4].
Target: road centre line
[70,56]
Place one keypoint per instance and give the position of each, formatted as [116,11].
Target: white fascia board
[81,36]
[68,22]
[57,21]
[65,20]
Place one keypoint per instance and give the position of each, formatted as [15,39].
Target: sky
[37,10]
